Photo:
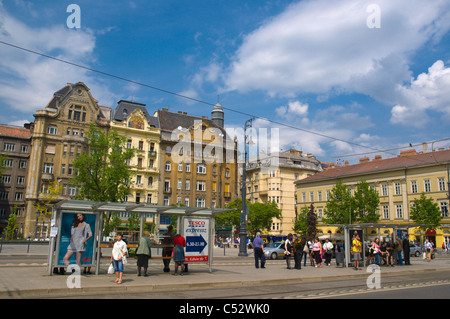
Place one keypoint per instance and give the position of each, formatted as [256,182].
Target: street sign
[197,239]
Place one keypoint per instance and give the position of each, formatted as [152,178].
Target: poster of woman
[76,241]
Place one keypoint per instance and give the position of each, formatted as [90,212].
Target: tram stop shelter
[195,224]
[361,229]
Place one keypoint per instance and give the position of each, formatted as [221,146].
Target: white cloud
[294,108]
[317,46]
[430,91]
[28,81]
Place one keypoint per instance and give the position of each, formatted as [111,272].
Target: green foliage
[102,173]
[259,218]
[301,225]
[343,208]
[425,211]
[11,224]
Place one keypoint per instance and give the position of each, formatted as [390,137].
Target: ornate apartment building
[398,180]
[15,145]
[198,161]
[57,138]
[273,180]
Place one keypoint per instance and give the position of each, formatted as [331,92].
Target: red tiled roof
[406,159]
[8,130]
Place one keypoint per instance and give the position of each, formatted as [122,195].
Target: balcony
[167,190]
[227,194]
[152,153]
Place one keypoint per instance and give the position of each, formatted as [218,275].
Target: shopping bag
[111,269]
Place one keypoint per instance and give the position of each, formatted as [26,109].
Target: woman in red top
[178,253]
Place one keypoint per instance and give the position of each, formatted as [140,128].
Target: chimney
[346,163]
[408,152]
[364,160]
[425,147]
[377,158]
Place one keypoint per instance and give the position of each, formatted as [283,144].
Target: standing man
[356,248]
[258,251]
[406,251]
[398,250]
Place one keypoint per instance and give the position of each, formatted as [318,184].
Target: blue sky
[315,65]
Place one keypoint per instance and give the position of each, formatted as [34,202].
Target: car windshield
[274,245]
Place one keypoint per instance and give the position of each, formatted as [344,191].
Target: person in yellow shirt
[356,249]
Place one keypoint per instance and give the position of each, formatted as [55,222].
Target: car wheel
[273,256]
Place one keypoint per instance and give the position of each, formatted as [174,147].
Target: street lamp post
[244,210]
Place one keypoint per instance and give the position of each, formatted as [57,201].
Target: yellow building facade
[269,182]
[398,180]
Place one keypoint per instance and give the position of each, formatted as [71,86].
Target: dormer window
[77,113]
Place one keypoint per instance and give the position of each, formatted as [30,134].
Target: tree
[311,222]
[301,224]
[102,173]
[366,202]
[43,205]
[341,206]
[261,216]
[425,211]
[11,224]
[232,218]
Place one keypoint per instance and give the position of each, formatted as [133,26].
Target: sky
[330,78]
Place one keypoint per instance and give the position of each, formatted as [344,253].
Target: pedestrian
[356,249]
[386,255]
[305,251]
[167,251]
[311,257]
[144,253]
[118,257]
[406,250]
[376,250]
[398,246]
[328,248]
[317,252]
[297,251]
[427,248]
[178,253]
[258,251]
[288,250]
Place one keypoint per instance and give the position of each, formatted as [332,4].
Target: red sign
[196,258]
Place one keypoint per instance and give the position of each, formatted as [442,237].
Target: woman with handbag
[144,253]
[376,250]
[118,257]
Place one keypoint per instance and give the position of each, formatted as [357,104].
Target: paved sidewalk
[34,282]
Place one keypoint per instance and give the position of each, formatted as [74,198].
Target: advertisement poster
[196,230]
[76,240]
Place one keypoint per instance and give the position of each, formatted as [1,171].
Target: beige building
[194,170]
[273,180]
[15,144]
[57,139]
[398,180]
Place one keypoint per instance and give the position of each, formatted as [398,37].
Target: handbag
[111,269]
[124,260]
[306,249]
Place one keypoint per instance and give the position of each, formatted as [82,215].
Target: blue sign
[195,244]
